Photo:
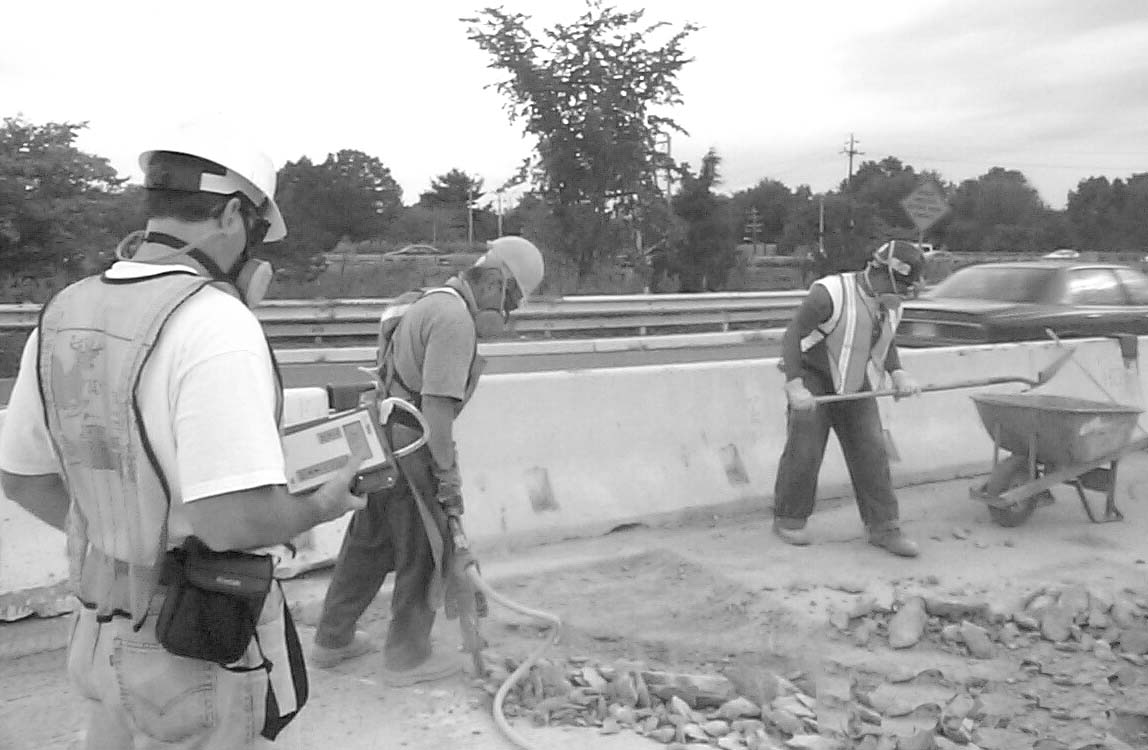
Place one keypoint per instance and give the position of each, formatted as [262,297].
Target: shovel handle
[926,389]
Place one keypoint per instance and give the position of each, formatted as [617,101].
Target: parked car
[1017,301]
[1064,253]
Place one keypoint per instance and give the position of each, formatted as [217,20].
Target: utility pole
[821,226]
[753,226]
[470,214]
[669,165]
[499,194]
[851,150]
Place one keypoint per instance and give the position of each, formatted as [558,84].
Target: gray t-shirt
[434,346]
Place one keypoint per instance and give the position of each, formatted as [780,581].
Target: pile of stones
[1077,617]
[679,710]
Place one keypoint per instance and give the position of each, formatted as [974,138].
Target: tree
[1092,210]
[587,92]
[60,208]
[452,190]
[997,211]
[349,196]
[773,202]
[707,252]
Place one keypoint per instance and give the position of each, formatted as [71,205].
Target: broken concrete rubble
[680,709]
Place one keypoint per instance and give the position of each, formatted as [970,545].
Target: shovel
[1042,377]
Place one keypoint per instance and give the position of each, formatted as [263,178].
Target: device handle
[387,404]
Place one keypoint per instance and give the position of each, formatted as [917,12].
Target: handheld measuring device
[316,450]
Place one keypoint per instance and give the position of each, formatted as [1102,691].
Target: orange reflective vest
[849,334]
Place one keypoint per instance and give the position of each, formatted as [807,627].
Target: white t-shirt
[207,396]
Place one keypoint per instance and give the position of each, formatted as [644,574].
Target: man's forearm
[253,518]
[42,495]
[440,413]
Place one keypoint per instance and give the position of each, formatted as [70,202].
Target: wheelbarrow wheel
[1014,515]
[1010,473]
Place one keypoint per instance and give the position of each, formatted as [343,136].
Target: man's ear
[232,214]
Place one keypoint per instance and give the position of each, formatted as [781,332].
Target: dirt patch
[661,608]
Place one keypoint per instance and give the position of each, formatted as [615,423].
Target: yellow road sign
[926,205]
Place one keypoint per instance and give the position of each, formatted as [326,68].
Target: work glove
[449,493]
[904,385]
[799,396]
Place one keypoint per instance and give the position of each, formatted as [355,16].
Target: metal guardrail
[343,320]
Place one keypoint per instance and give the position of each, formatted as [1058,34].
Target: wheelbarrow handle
[925,389]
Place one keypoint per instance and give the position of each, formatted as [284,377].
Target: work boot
[436,667]
[325,658]
[893,540]
[790,533]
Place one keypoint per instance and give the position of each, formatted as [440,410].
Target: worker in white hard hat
[144,422]
[428,356]
[841,341]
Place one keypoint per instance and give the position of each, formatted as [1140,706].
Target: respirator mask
[898,271]
[250,277]
[509,300]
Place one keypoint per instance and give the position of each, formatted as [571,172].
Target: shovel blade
[1047,373]
[891,448]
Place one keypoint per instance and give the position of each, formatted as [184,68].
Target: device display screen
[356,438]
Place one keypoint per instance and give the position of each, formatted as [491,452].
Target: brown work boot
[325,658]
[893,540]
[436,667]
[789,532]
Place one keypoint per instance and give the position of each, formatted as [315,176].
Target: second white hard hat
[520,257]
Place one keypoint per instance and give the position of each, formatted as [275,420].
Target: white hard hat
[520,257]
[245,169]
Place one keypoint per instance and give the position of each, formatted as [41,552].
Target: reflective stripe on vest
[848,335]
[95,338]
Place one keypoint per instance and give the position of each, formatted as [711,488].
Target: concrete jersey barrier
[559,454]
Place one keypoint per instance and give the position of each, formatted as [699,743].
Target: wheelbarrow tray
[1063,430]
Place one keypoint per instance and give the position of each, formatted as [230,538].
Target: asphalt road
[297,376]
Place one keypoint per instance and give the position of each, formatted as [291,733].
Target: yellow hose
[524,667]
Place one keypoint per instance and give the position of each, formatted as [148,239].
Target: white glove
[904,385]
[799,396]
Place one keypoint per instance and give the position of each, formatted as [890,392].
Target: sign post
[925,206]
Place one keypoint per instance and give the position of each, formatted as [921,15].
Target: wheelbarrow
[1052,440]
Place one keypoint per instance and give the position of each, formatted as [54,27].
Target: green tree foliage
[1109,216]
[441,213]
[453,190]
[706,253]
[350,196]
[997,211]
[588,93]
[62,210]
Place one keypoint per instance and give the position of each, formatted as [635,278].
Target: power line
[1010,163]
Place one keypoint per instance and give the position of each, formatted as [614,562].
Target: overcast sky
[1057,89]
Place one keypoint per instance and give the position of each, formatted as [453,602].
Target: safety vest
[95,338]
[848,334]
[389,322]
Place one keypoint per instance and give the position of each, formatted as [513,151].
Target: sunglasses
[253,217]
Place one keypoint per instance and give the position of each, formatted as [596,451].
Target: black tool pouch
[213,601]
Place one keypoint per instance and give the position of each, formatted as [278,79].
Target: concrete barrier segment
[551,455]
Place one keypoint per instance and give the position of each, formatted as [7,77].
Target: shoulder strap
[389,323]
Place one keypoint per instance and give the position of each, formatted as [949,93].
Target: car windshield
[1010,284]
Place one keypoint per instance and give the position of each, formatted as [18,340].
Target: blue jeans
[387,536]
[143,698]
[858,428]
